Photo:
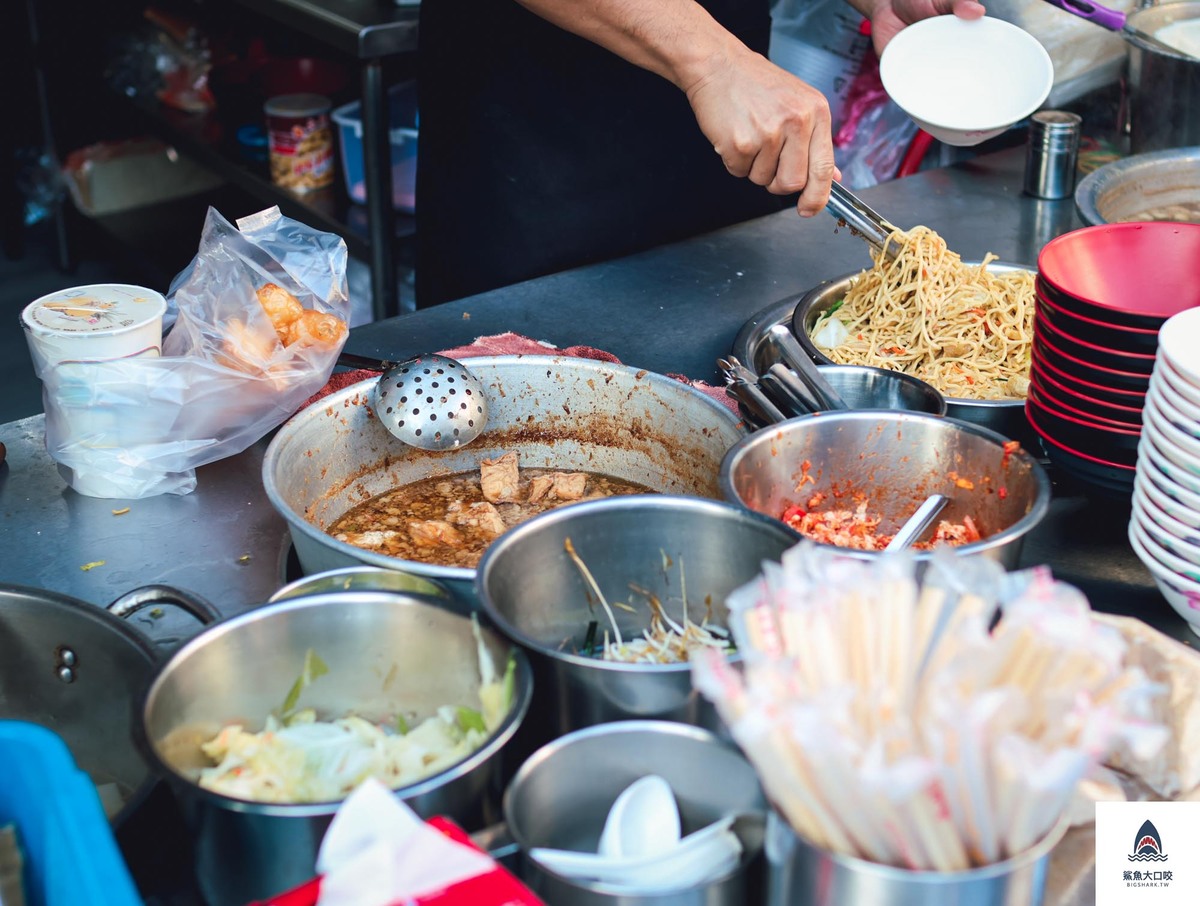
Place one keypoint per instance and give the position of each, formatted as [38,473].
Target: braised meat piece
[558,486]
[481,515]
[434,533]
[500,478]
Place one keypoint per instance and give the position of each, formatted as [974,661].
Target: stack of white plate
[1164,527]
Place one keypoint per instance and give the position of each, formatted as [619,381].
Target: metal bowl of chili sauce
[892,461]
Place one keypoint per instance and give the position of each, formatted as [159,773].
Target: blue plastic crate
[402,137]
[71,856]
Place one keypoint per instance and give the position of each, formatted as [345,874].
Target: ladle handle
[797,359]
[1113,20]
[350,360]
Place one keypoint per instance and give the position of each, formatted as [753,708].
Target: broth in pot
[449,520]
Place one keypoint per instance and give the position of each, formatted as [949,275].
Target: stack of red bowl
[1103,292]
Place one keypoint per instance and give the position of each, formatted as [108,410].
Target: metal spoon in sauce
[430,402]
[918,522]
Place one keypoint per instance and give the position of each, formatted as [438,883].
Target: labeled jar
[300,141]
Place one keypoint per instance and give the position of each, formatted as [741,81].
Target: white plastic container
[73,327]
[94,323]
[402,135]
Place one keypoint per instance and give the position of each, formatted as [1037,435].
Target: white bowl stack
[1164,527]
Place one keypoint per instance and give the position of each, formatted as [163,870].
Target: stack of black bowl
[1103,292]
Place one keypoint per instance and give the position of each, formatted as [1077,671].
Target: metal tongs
[861,218]
[743,386]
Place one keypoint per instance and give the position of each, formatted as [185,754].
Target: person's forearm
[677,39]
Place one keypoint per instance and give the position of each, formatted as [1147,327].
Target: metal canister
[1051,154]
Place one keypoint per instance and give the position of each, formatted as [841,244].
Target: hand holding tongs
[861,218]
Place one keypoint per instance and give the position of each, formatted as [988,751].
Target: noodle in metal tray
[960,327]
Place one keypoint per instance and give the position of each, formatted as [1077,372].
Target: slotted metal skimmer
[431,402]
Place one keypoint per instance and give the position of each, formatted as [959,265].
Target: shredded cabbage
[301,759]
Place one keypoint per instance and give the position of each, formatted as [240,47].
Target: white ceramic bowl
[1151,447]
[1171,567]
[1181,594]
[1152,495]
[1164,521]
[1167,540]
[963,81]
[1176,424]
[1179,343]
[1172,402]
[1176,381]
[1180,448]
[1148,464]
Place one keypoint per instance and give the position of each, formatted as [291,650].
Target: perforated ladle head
[431,402]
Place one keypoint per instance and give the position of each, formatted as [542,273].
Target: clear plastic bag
[138,427]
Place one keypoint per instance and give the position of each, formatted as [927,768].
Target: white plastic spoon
[677,867]
[643,821]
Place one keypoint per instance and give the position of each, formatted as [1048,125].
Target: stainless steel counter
[674,310]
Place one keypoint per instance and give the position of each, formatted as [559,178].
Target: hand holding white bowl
[965,81]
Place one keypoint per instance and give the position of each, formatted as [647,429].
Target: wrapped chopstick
[934,723]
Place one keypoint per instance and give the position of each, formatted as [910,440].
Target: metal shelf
[208,141]
[366,29]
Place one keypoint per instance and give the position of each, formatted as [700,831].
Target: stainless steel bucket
[385,652]
[799,874]
[561,797]
[535,594]
[1164,89]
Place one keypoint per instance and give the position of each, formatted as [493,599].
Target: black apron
[540,151]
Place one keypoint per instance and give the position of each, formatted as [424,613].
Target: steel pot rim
[1020,528]
[522,697]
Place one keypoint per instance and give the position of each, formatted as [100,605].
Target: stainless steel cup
[799,874]
[1052,153]
[561,796]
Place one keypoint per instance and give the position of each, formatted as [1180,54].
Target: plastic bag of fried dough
[260,316]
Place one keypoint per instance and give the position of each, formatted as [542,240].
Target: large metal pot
[895,459]
[79,670]
[1164,89]
[386,653]
[1163,184]
[668,546]
[557,411]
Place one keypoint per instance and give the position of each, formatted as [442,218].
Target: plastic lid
[297,105]
[101,308]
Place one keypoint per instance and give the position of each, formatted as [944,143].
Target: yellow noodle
[964,329]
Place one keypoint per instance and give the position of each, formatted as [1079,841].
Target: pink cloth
[514,344]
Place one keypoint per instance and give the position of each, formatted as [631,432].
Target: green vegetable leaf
[401,725]
[314,668]
[469,719]
[589,640]
[831,309]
